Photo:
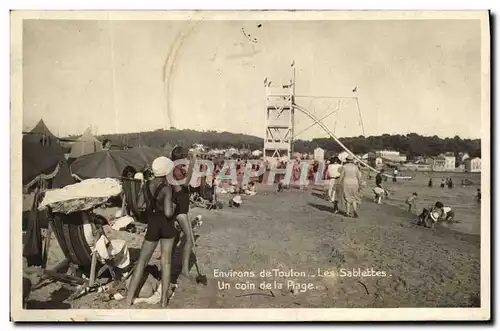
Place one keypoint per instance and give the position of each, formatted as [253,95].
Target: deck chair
[70,234]
[206,196]
[133,201]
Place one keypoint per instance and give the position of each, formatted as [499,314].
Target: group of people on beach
[167,206]
[345,185]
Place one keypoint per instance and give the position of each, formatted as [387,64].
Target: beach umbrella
[111,163]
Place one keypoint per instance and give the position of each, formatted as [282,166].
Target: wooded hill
[410,144]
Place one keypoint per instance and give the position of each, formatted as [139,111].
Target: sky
[418,76]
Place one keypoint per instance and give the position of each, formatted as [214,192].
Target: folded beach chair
[72,232]
[133,202]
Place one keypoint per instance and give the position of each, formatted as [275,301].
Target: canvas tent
[86,144]
[43,159]
[41,134]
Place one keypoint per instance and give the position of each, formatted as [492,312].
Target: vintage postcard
[250,166]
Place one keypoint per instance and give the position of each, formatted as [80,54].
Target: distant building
[392,156]
[257,153]
[473,165]
[319,154]
[450,162]
[439,163]
[387,153]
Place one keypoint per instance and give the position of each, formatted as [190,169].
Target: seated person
[448,214]
[435,214]
[379,193]
[250,189]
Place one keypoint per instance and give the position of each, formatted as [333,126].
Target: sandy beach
[302,255]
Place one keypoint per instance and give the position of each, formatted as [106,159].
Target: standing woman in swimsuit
[181,198]
[161,227]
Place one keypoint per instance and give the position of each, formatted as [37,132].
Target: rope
[311,116]
[43,177]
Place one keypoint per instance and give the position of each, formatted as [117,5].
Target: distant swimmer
[478,195]
[443,182]
[430,182]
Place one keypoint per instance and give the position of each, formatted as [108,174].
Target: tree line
[411,144]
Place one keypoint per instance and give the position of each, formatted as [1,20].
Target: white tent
[86,144]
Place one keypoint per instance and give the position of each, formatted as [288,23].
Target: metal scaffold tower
[279,135]
[281,107]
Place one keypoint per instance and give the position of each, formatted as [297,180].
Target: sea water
[460,198]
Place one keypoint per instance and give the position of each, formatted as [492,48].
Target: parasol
[81,196]
[111,163]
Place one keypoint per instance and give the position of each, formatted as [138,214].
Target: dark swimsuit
[159,226]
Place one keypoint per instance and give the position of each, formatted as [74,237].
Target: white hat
[139,176]
[349,158]
[162,166]
[237,199]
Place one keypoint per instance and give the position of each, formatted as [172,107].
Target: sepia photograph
[250,165]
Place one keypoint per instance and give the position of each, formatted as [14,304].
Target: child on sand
[431,215]
[379,193]
[411,202]
[435,214]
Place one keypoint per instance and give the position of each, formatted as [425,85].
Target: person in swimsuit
[181,199]
[161,228]
[378,178]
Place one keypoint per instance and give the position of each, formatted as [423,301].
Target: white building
[387,154]
[393,156]
[449,163]
[257,153]
[319,154]
[473,165]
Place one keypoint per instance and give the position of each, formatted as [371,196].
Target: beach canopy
[43,159]
[86,144]
[111,163]
[41,134]
[42,129]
